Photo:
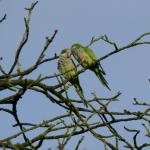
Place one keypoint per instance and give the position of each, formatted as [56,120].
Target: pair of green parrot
[86,58]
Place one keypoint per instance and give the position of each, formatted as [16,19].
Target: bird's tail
[100,76]
[79,91]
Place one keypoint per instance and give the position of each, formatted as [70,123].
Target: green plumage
[67,68]
[86,57]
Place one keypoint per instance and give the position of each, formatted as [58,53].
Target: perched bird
[67,68]
[86,58]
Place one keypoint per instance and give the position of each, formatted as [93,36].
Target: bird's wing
[90,53]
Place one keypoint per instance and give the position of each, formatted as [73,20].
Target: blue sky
[78,21]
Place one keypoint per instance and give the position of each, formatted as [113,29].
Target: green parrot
[67,68]
[86,57]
